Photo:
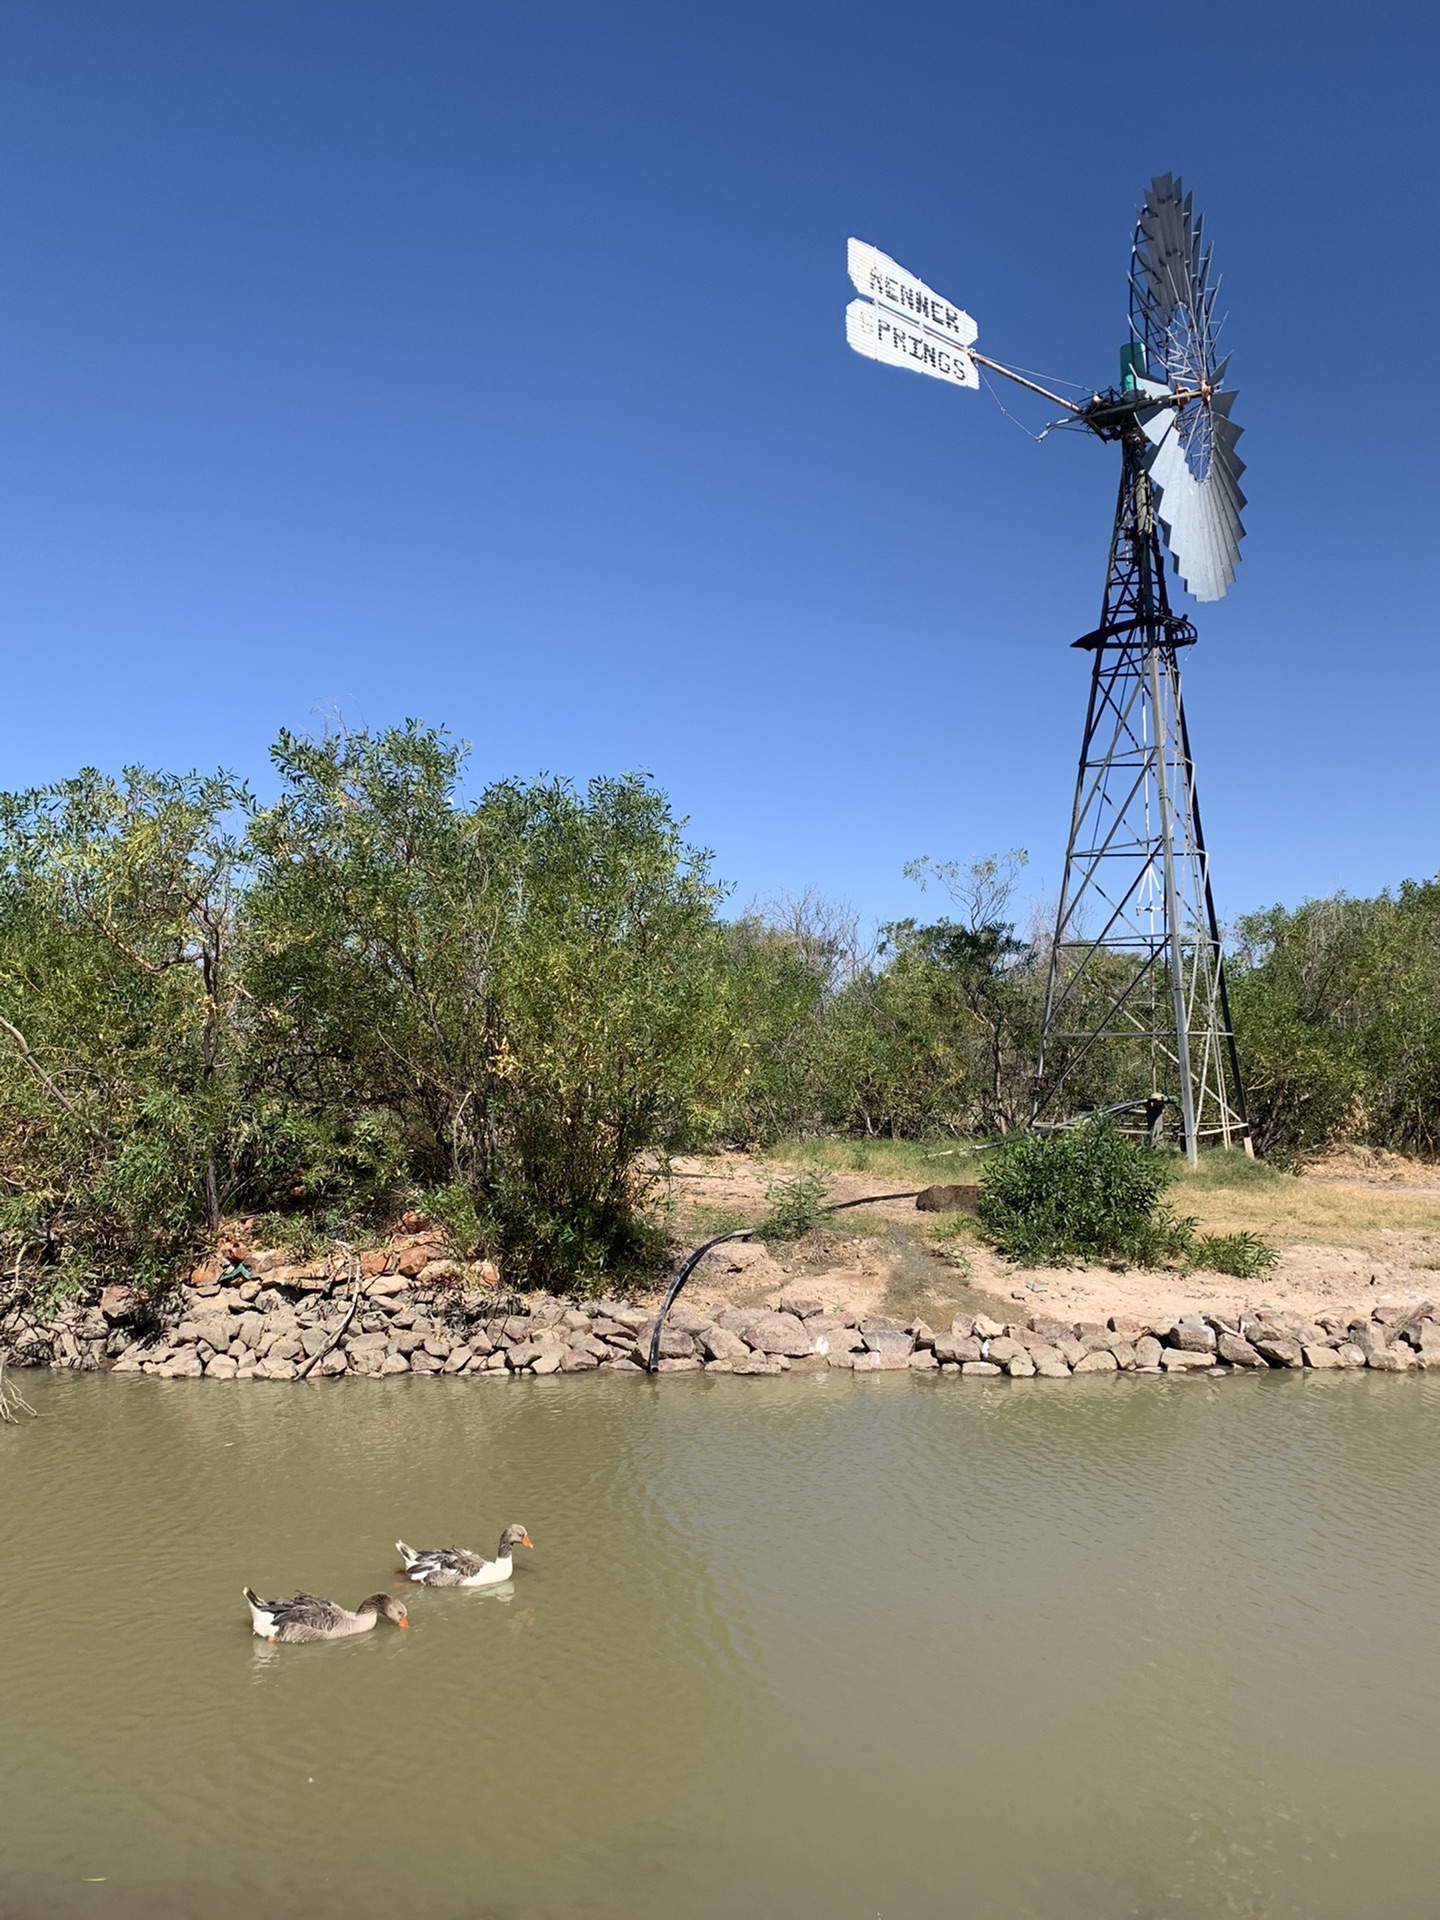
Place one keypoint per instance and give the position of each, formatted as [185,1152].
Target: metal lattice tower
[1136,999]
[1136,1015]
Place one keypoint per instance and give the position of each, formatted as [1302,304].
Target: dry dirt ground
[1355,1231]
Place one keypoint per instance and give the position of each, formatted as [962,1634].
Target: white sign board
[882,335]
[877,275]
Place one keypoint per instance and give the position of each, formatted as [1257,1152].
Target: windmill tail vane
[1137,1016]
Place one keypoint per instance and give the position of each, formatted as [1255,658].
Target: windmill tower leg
[1136,1014]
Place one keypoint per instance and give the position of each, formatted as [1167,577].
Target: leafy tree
[119,1017]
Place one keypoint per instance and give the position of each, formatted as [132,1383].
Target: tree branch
[22,1047]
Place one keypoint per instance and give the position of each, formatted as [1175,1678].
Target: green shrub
[1087,1193]
[1241,1255]
[795,1205]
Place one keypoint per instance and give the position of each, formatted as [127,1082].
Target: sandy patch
[886,1257]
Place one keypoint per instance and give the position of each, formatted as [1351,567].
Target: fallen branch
[12,1401]
[344,1327]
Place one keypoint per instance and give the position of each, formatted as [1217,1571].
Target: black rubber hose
[744,1233]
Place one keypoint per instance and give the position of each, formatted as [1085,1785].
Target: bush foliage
[520,1002]
[1087,1193]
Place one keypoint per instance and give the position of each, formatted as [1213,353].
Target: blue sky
[487,364]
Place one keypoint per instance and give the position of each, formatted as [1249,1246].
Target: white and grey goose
[455,1567]
[305,1616]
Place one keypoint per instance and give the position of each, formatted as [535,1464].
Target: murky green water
[805,1648]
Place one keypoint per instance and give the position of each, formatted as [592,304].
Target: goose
[454,1567]
[305,1616]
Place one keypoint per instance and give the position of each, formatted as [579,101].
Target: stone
[629,1366]
[578,1359]
[251,1328]
[810,1363]
[412,1261]
[1069,1347]
[719,1343]
[986,1329]
[437,1344]
[217,1333]
[1049,1363]
[1097,1360]
[335,1363]
[1279,1349]
[220,1367]
[962,1326]
[759,1363]
[843,1362]
[948,1199]
[1002,1349]
[1192,1335]
[1019,1366]
[184,1366]
[441,1273]
[1097,1340]
[955,1351]
[891,1359]
[688,1319]
[1048,1330]
[1396,1359]
[1321,1357]
[688,1365]
[737,1319]
[981,1369]
[271,1369]
[1238,1351]
[781,1333]
[1350,1354]
[422,1362]
[457,1360]
[1124,1355]
[674,1345]
[584,1343]
[923,1360]
[831,1335]
[802,1305]
[1127,1326]
[546,1361]
[1186,1360]
[118,1303]
[893,1348]
[305,1276]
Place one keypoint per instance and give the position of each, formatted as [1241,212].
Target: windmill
[1136,1014]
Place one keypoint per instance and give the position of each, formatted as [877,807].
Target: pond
[825,1647]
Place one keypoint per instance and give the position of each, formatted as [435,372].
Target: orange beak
[403,1625]
[527,1541]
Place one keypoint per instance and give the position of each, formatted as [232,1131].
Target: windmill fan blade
[1193,464]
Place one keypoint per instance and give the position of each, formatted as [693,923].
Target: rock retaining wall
[415,1312]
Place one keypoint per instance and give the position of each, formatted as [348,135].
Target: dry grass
[1233,1195]
[1228,1192]
[909,1163]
